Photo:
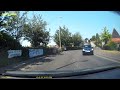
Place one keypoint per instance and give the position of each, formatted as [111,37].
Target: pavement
[115,55]
[20,64]
[68,60]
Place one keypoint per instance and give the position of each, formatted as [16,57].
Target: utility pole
[59,39]
[60,36]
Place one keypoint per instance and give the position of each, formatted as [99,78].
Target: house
[116,37]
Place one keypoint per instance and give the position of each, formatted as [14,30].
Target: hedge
[110,46]
[73,48]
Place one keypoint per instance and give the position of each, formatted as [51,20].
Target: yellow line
[107,58]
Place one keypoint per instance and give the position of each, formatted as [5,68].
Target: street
[72,60]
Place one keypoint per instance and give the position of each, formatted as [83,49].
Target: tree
[11,25]
[112,45]
[5,17]
[15,23]
[97,40]
[35,31]
[77,39]
[2,19]
[8,41]
[105,36]
[65,36]
[93,38]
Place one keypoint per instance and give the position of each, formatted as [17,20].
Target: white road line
[107,58]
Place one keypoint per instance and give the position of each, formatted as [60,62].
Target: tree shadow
[46,60]
[70,64]
[40,62]
[51,55]
[60,54]
[54,55]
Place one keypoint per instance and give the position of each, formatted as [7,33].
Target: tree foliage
[76,39]
[15,22]
[65,36]
[2,19]
[67,39]
[105,36]
[98,40]
[35,31]
[93,38]
[7,41]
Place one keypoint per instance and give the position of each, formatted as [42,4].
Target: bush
[106,47]
[110,46]
[48,51]
[51,51]
[73,48]
[118,48]
[8,41]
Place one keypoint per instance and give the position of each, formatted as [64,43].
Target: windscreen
[54,40]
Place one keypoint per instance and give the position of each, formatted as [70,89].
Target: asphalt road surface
[70,60]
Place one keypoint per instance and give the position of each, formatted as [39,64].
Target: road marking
[107,58]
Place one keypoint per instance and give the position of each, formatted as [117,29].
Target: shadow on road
[60,54]
[40,62]
[50,55]
[46,60]
[88,55]
[71,64]
[53,55]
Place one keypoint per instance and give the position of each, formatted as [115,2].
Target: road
[71,60]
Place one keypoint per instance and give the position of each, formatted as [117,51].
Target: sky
[87,23]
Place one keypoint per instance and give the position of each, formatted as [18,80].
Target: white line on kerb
[107,58]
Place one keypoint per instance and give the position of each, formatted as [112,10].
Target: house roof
[115,34]
[116,40]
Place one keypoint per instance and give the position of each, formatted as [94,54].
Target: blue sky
[87,23]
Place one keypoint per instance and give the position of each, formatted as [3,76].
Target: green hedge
[110,46]
[73,48]
[47,51]
[7,41]
[50,50]
[119,49]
